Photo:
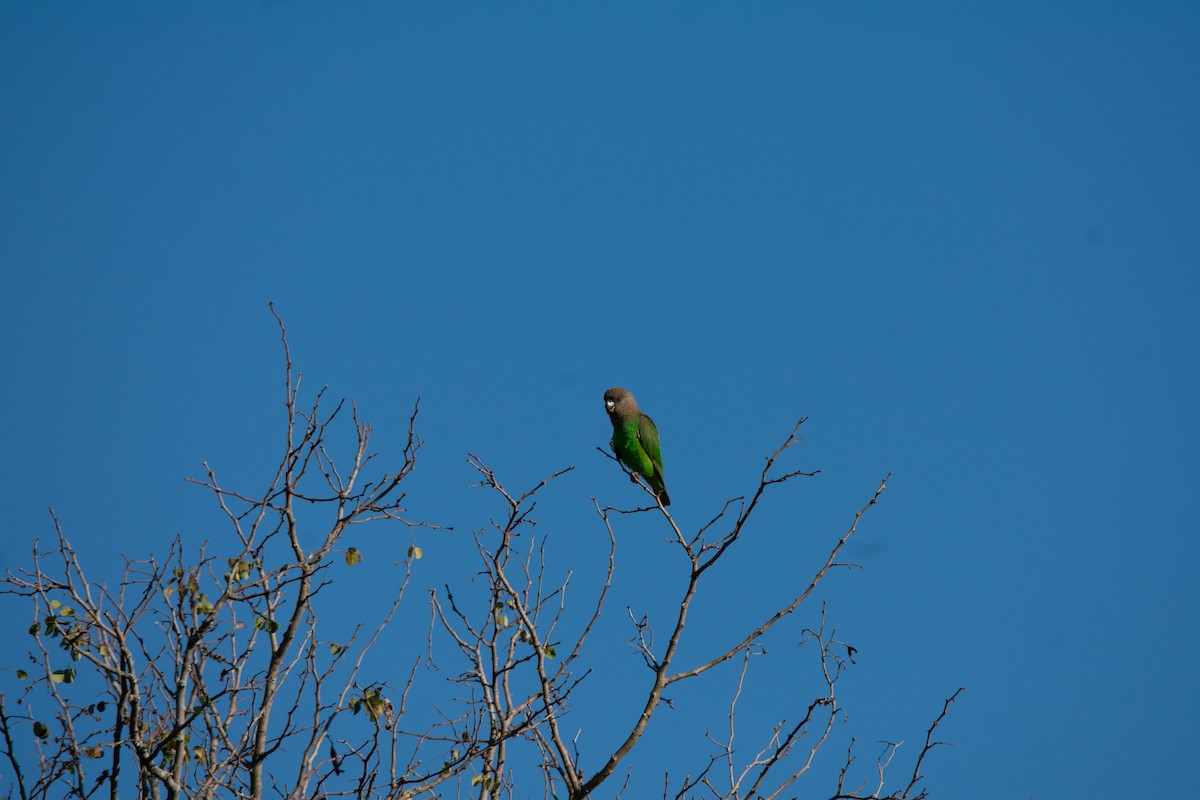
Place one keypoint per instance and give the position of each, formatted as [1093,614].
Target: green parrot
[635,440]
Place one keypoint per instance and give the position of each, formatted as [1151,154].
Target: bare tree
[208,675]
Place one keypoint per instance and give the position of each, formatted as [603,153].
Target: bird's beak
[609,405]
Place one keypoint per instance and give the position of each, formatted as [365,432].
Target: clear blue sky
[963,237]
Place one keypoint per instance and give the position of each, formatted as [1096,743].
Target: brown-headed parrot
[635,440]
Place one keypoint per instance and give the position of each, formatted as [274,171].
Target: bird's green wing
[648,436]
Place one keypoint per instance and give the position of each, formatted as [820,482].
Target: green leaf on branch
[63,675]
[41,730]
[353,556]
[375,703]
[414,552]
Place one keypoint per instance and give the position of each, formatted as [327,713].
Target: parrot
[635,440]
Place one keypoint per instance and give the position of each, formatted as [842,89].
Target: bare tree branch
[218,671]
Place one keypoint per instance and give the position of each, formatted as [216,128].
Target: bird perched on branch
[635,440]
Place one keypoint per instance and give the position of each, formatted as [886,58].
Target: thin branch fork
[766,625]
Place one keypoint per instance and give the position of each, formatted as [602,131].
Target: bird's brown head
[620,405]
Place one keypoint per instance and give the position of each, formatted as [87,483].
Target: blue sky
[962,237]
